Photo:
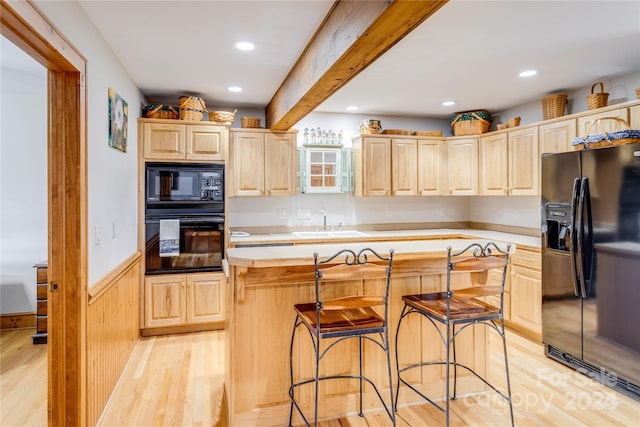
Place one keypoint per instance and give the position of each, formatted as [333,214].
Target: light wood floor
[177,380]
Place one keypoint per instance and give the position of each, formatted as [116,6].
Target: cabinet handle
[183,284]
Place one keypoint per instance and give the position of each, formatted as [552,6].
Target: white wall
[112,175]
[620,89]
[23,183]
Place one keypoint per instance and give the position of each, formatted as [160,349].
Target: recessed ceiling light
[448,103]
[235,89]
[352,108]
[528,73]
[243,45]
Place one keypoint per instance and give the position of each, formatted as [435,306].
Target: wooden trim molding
[27,27]
[103,285]
[352,36]
[17,321]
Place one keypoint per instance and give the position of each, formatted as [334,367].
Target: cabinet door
[431,167]
[584,122]
[206,142]
[493,170]
[556,137]
[164,141]
[247,159]
[377,166]
[404,169]
[634,117]
[524,162]
[463,166]
[164,300]
[526,299]
[279,164]
[205,298]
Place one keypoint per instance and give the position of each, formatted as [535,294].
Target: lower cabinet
[183,299]
[526,293]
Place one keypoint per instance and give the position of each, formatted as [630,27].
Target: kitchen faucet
[323,211]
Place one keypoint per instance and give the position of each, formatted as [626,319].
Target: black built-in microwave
[184,188]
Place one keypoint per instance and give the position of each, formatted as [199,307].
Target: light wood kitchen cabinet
[524,162]
[604,125]
[432,160]
[526,292]
[164,140]
[399,166]
[634,117]
[509,163]
[263,163]
[462,166]
[557,137]
[183,299]
[404,167]
[373,166]
[493,167]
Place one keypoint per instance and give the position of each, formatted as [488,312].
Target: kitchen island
[265,284]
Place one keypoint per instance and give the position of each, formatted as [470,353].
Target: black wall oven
[184,217]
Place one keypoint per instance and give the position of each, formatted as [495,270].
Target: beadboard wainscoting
[113,328]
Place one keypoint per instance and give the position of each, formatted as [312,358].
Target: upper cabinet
[372,166]
[462,166]
[584,122]
[432,170]
[173,140]
[524,162]
[556,137]
[392,165]
[263,163]
[509,163]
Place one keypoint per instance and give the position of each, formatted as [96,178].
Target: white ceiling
[469,51]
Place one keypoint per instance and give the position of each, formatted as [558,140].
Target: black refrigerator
[590,209]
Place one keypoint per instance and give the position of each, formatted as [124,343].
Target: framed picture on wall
[118,112]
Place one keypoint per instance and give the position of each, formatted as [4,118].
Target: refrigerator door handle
[584,185]
[573,248]
[587,241]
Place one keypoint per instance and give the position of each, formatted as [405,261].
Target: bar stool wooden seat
[361,317]
[455,310]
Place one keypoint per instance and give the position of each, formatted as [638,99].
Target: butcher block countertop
[407,244]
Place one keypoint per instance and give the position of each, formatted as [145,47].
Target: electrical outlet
[474,212]
[442,212]
[304,213]
[389,212]
[113,229]
[282,213]
[98,235]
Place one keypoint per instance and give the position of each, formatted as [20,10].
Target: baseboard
[17,321]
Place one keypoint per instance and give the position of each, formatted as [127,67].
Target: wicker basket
[222,116]
[513,122]
[160,111]
[471,123]
[597,100]
[250,122]
[553,106]
[192,108]
[606,139]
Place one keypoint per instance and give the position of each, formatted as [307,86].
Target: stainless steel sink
[328,234]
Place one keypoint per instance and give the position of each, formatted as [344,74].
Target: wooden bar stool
[345,318]
[463,308]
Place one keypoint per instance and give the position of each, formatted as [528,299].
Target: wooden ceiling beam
[351,37]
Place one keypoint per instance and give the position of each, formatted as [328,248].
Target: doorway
[24,25]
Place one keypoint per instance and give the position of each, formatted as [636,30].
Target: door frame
[27,27]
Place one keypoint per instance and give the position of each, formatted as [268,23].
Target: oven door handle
[186,221]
